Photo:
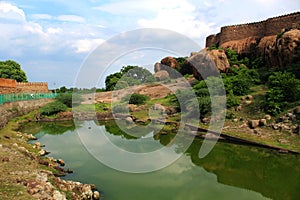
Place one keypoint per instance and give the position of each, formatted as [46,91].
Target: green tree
[132,75]
[12,70]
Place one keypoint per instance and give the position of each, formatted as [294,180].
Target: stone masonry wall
[271,26]
[18,108]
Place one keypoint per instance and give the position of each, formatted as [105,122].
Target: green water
[230,171]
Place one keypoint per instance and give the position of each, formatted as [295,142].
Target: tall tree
[12,70]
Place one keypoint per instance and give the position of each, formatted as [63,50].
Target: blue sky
[52,38]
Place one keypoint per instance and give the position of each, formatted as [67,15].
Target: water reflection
[230,166]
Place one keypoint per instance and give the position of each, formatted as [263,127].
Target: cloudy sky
[52,38]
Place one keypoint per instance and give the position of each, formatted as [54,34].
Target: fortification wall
[271,26]
[8,83]
[10,86]
[32,87]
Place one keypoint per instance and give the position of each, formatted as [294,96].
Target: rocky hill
[276,40]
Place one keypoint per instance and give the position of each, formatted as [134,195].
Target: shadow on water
[273,175]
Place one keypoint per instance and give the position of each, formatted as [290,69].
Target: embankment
[18,108]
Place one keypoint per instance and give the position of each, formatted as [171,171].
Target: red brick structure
[9,86]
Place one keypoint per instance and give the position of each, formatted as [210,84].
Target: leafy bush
[69,99]
[239,80]
[53,108]
[285,85]
[135,98]
[232,100]
[121,108]
[283,89]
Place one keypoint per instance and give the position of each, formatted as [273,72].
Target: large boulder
[168,64]
[162,75]
[171,62]
[287,46]
[201,65]
[220,59]
[243,46]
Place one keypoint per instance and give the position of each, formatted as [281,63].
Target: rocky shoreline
[24,166]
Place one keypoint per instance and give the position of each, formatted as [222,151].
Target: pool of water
[229,171]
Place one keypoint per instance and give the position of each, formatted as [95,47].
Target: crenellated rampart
[9,86]
[33,87]
[271,26]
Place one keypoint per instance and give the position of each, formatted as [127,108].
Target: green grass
[98,107]
[9,191]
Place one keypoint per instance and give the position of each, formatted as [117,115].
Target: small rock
[61,162]
[297,110]
[96,195]
[5,159]
[15,145]
[23,149]
[255,131]
[268,117]
[7,137]
[129,120]
[37,144]
[249,97]
[296,129]
[58,196]
[87,192]
[235,120]
[205,120]
[253,124]
[42,152]
[263,122]
[31,137]
[286,127]
[239,108]
[248,102]
[69,171]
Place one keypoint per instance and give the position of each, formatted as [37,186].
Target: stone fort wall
[271,26]
[9,86]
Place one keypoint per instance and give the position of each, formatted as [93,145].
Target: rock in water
[96,195]
[61,162]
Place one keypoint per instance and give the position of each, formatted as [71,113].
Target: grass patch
[98,107]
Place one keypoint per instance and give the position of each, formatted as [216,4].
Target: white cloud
[180,16]
[86,45]
[54,30]
[30,37]
[71,18]
[41,16]
[9,11]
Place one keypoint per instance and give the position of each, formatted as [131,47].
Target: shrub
[232,100]
[69,99]
[53,108]
[135,98]
[283,89]
[121,108]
